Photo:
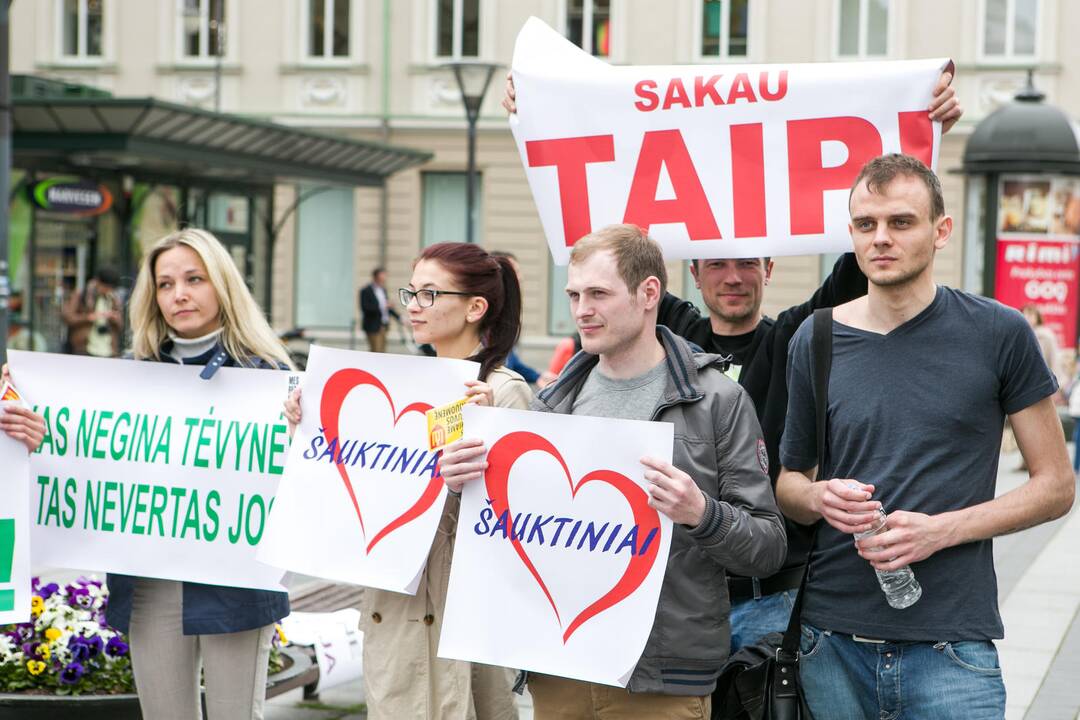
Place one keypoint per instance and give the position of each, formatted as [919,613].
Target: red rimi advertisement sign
[1038,250]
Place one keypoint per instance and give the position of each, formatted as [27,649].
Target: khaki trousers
[556,698]
[377,340]
[404,678]
[166,662]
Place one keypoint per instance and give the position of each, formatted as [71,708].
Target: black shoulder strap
[821,352]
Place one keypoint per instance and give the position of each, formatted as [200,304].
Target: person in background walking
[93,316]
[190,306]
[375,310]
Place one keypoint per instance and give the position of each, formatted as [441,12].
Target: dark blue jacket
[208,609]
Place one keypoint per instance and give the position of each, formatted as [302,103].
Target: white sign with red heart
[559,559]
[361,495]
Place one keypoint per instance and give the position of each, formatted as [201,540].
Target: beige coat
[403,677]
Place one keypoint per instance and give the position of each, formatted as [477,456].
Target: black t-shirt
[917,412]
[736,347]
[764,362]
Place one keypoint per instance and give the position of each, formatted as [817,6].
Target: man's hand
[510,95]
[945,106]
[845,504]
[462,462]
[911,537]
[673,492]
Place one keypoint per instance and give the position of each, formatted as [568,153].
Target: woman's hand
[480,393]
[23,424]
[461,462]
[292,410]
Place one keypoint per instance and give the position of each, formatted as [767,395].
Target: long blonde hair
[245,332]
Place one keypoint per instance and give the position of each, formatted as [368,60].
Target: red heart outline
[501,458]
[337,387]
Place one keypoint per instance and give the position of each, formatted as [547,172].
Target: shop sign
[71,196]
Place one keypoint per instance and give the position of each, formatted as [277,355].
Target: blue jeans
[1076,442]
[845,679]
[752,619]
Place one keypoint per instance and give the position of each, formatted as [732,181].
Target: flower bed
[67,648]
[68,661]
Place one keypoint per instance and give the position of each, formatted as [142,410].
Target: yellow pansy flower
[35,667]
[36,605]
[43,651]
[53,634]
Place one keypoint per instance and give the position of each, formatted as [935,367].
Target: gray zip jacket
[718,442]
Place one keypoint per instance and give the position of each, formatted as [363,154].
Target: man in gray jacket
[717,491]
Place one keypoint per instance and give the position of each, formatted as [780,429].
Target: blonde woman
[466,303]
[190,306]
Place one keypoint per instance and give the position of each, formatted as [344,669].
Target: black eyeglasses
[424,298]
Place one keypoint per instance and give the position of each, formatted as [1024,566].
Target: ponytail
[502,325]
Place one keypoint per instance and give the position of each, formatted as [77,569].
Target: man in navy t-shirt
[922,380]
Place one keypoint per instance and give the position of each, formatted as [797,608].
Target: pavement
[1039,590]
[1038,574]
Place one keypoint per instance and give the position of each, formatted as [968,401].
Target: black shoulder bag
[761,681]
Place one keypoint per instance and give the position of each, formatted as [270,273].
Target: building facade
[370,69]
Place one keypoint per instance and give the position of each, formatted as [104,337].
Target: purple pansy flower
[116,647]
[79,596]
[71,673]
[47,591]
[80,647]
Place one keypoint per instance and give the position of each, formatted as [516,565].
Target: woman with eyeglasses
[466,303]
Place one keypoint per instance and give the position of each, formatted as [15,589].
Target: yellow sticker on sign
[444,424]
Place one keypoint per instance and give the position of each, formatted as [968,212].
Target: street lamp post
[473,78]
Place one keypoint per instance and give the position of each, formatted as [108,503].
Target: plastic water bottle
[901,588]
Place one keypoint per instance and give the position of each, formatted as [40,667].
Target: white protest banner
[558,560]
[713,161]
[362,497]
[147,469]
[337,640]
[14,530]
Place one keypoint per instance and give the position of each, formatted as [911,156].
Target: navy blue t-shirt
[918,413]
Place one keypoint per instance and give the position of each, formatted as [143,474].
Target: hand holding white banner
[713,161]
[558,560]
[361,497]
[148,470]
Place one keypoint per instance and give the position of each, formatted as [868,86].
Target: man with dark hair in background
[375,311]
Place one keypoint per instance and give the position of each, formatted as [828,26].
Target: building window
[457,28]
[864,28]
[443,218]
[724,26]
[690,289]
[327,34]
[826,262]
[81,28]
[325,286]
[202,28]
[1009,28]
[560,319]
[588,25]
